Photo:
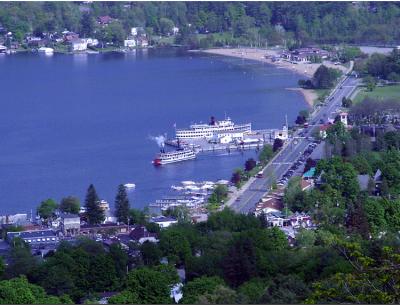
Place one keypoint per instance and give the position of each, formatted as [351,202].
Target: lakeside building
[130,42]
[163,221]
[70,224]
[3,49]
[77,45]
[281,134]
[35,238]
[306,55]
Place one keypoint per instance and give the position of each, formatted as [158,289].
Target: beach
[266,55]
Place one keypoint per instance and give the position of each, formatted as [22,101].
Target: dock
[254,140]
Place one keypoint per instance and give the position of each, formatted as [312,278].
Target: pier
[254,140]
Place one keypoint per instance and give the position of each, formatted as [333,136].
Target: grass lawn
[321,95]
[379,93]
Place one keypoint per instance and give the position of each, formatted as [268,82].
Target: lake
[70,120]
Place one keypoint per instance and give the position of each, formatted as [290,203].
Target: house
[343,118]
[302,220]
[175,30]
[140,235]
[70,36]
[77,45]
[91,42]
[130,42]
[88,229]
[142,42]
[163,221]
[105,20]
[35,238]
[322,131]
[306,184]
[16,219]
[70,224]
[305,55]
[309,174]
[280,134]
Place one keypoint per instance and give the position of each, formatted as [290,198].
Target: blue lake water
[70,120]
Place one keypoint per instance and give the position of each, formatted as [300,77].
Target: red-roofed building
[104,20]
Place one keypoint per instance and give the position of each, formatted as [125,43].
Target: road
[295,147]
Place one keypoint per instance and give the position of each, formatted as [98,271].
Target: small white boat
[130,185]
[223,182]
[45,50]
[188,182]
[177,188]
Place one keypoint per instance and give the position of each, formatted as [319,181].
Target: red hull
[157,162]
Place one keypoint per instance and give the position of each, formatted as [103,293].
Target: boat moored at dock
[199,131]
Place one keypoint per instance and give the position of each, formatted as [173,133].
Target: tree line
[251,23]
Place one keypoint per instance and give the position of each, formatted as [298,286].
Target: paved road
[247,201]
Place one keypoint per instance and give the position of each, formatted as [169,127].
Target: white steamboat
[200,131]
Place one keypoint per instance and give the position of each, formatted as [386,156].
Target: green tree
[266,154]
[20,291]
[151,253]
[94,213]
[70,204]
[250,164]
[200,286]
[122,205]
[278,143]
[147,286]
[324,77]
[47,209]
[21,260]
[166,26]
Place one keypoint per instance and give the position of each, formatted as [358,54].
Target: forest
[214,23]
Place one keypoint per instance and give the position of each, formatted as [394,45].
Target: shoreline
[309,95]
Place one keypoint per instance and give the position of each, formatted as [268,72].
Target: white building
[281,134]
[175,30]
[226,137]
[163,221]
[91,42]
[78,45]
[343,118]
[130,43]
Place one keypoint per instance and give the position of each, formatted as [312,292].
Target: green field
[380,93]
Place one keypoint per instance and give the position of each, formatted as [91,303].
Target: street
[292,150]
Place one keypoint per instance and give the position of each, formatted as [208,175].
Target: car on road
[260,175]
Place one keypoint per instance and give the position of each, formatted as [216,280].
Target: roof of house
[310,173]
[378,175]
[363,181]
[105,19]
[32,234]
[162,219]
[69,215]
[305,184]
[141,232]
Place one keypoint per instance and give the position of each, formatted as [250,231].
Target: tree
[94,213]
[122,205]
[200,286]
[137,217]
[46,209]
[278,143]
[166,26]
[305,238]
[2,267]
[20,291]
[266,154]
[151,253]
[240,263]
[70,204]
[250,164]
[370,281]
[324,77]
[237,177]
[148,286]
[21,260]
[369,82]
